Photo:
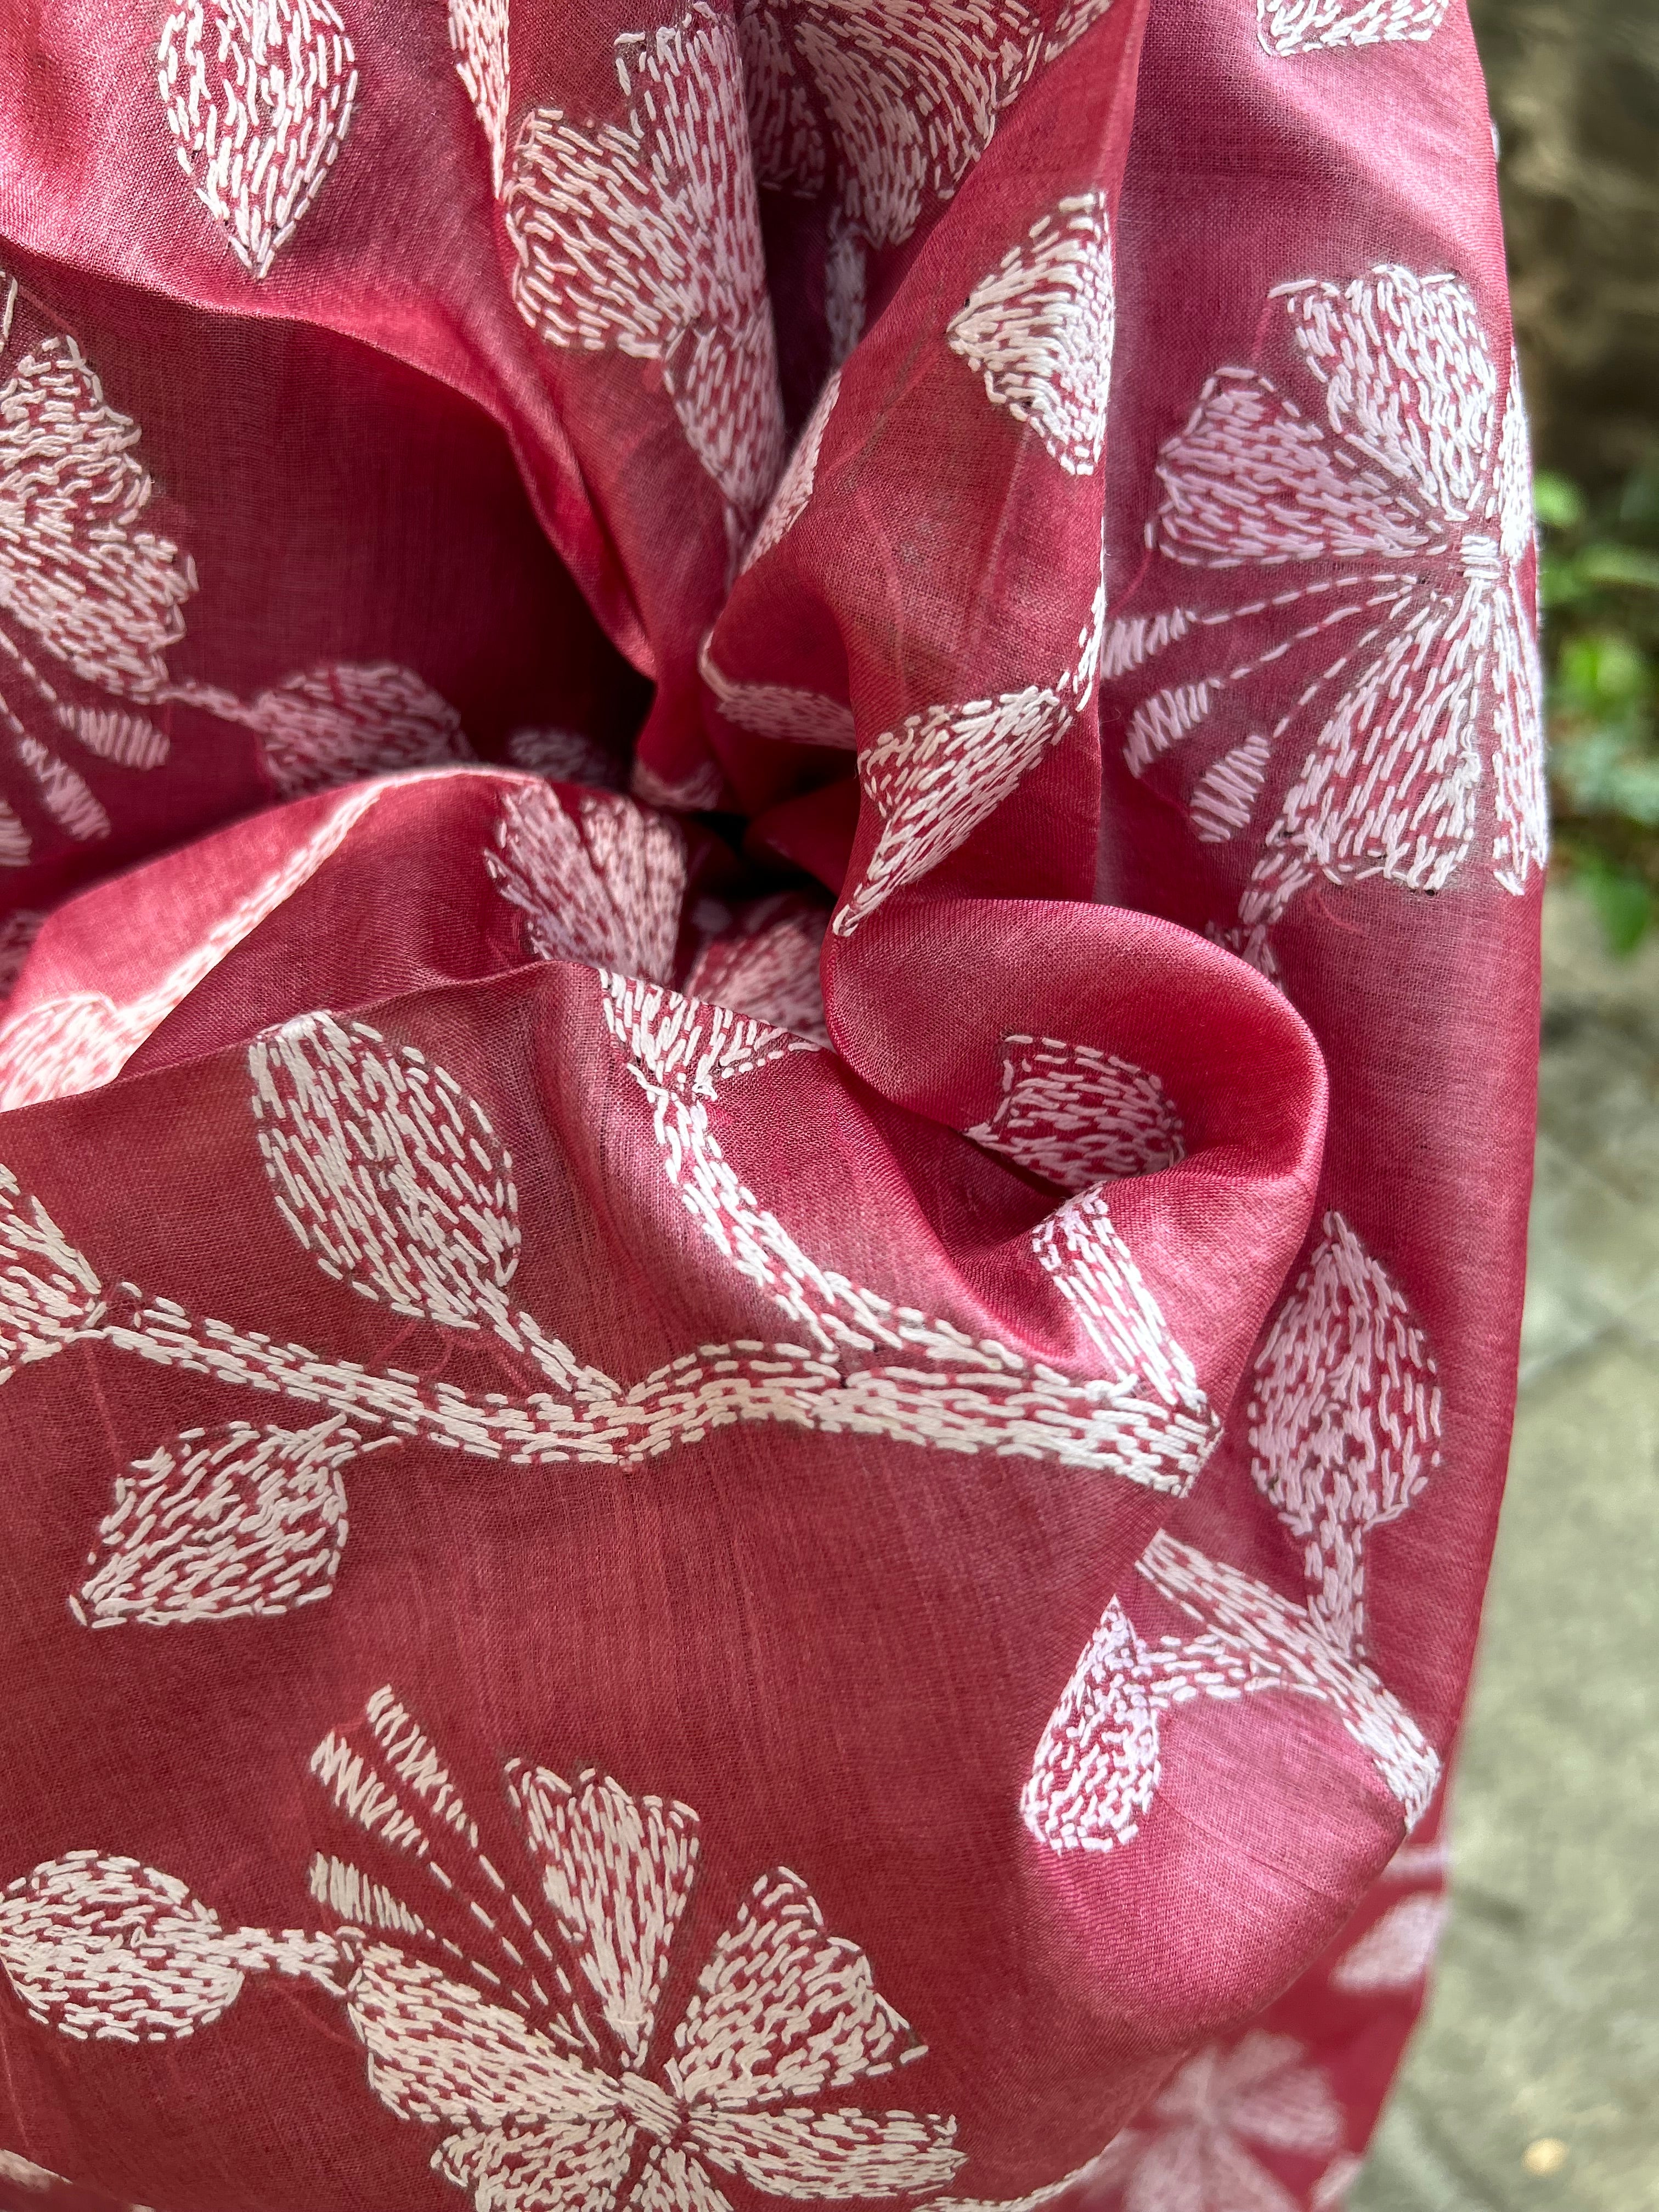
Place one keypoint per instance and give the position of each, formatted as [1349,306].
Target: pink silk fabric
[771,840]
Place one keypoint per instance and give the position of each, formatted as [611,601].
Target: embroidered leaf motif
[1094,1270]
[1039,331]
[1080,1117]
[130,740]
[258,96]
[1096,1769]
[781,711]
[794,489]
[384,1167]
[223,1524]
[478,32]
[599,880]
[344,720]
[1262,2093]
[1344,1420]
[1294,26]
[772,972]
[107,1949]
[645,237]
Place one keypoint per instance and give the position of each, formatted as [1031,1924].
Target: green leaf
[1557,501]
[1624,565]
[1624,903]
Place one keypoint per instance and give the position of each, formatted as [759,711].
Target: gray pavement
[1534,2082]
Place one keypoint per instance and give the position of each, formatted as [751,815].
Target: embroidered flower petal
[1389,786]
[1409,378]
[1250,478]
[783,2010]
[437,2050]
[547,2166]
[846,2154]
[618,1870]
[672,2182]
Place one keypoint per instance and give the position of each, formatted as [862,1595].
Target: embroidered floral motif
[258,96]
[645,237]
[1295,27]
[396,1182]
[769,968]
[601,881]
[782,711]
[1345,1412]
[1415,485]
[1039,332]
[885,106]
[1219,2113]
[544,2063]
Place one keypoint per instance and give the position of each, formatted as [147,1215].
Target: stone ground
[1533,2083]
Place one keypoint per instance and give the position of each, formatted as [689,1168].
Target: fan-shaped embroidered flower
[1405,662]
[549,2068]
[1219,2113]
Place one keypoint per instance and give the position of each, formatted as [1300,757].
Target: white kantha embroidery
[479,32]
[942,772]
[885,107]
[1039,332]
[770,971]
[1295,27]
[258,96]
[644,236]
[1079,1115]
[781,711]
[533,2046]
[1345,1413]
[395,1180]
[1344,1420]
[1415,485]
[600,880]
[796,485]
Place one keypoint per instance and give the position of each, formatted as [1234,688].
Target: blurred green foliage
[1599,582]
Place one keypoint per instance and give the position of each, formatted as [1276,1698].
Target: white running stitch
[1396,1951]
[258,96]
[599,880]
[781,711]
[885,106]
[1097,1767]
[479,34]
[1224,796]
[770,971]
[795,486]
[1295,27]
[1039,331]
[645,237]
[224,1524]
[1344,1420]
[395,1181]
[783,2016]
[1079,1115]
[942,772]
[1414,460]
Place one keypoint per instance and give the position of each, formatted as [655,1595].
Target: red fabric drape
[770,822]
